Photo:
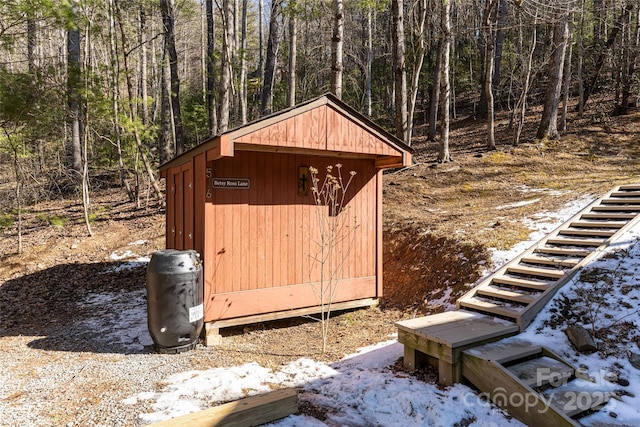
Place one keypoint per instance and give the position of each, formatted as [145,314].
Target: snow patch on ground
[359,390]
[134,260]
[540,225]
[516,204]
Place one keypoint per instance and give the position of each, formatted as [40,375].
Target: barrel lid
[174,261]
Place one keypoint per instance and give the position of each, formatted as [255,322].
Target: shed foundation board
[212,329]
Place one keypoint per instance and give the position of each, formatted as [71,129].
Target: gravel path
[81,356]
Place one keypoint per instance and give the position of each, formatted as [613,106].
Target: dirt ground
[440,221]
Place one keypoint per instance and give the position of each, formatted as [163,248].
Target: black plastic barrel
[175,308]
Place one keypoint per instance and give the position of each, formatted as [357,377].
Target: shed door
[180,208]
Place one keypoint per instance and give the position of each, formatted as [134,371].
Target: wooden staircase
[533,384]
[521,288]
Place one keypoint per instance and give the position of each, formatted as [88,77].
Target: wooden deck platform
[439,339]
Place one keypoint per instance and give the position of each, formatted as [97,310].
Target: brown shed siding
[265,237]
[322,128]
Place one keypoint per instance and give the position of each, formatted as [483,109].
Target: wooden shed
[241,199]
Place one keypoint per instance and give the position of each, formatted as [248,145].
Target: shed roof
[322,126]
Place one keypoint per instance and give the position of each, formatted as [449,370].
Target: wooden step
[598,224]
[613,208]
[493,292]
[555,261]
[505,351]
[489,307]
[563,251]
[587,233]
[542,371]
[628,193]
[621,200]
[608,216]
[629,187]
[523,283]
[533,271]
[575,242]
[577,397]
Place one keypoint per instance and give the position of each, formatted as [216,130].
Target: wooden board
[252,411]
[574,399]
[505,351]
[457,328]
[533,271]
[258,318]
[555,261]
[542,371]
[575,242]
[506,294]
[522,283]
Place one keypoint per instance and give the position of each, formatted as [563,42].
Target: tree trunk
[501,31]
[434,103]
[521,106]
[399,71]
[488,73]
[273,43]
[74,98]
[445,86]
[369,63]
[243,66]
[168,21]
[627,77]
[581,61]
[567,77]
[610,40]
[260,39]
[336,49]
[417,67]
[549,122]
[166,136]
[212,115]
[293,41]
[225,74]
[31,43]
[144,96]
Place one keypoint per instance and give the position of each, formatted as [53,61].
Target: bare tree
[419,28]
[226,71]
[293,52]
[567,76]
[337,48]
[73,94]
[273,44]
[243,65]
[167,9]
[632,50]
[549,122]
[445,85]
[399,70]
[488,73]
[519,112]
[615,30]
[434,102]
[369,61]
[212,116]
